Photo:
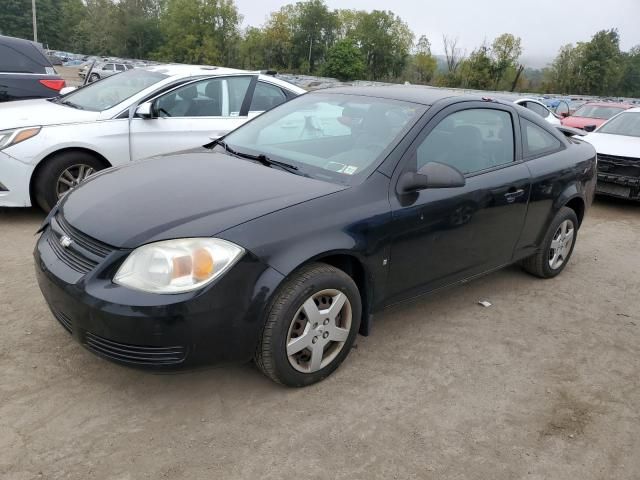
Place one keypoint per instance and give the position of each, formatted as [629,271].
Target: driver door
[444,235]
[192,115]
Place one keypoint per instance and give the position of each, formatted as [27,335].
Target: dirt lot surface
[544,384]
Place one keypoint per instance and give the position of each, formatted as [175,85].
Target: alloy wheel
[319,330]
[71,177]
[561,244]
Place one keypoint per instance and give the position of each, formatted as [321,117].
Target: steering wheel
[162,110]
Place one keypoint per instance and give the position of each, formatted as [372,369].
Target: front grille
[83,253]
[134,354]
[85,241]
[72,259]
[617,165]
[63,319]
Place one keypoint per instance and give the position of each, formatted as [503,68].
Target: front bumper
[219,324]
[15,177]
[618,176]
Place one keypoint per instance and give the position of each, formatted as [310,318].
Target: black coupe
[281,241]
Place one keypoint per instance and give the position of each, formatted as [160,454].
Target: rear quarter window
[21,58]
[536,141]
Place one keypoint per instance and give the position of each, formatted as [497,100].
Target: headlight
[176,266]
[17,135]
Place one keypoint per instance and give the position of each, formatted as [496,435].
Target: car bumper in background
[162,332]
[14,182]
[618,176]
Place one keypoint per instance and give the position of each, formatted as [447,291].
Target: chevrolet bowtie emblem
[65,241]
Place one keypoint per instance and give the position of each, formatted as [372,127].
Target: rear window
[21,57]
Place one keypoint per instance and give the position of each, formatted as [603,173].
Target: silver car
[102,70]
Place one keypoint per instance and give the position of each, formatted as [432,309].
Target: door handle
[512,194]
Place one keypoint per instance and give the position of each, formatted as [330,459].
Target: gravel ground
[544,384]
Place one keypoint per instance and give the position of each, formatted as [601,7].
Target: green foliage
[344,61]
[597,67]
[309,37]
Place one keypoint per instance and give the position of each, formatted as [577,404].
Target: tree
[453,54]
[505,52]
[601,63]
[278,38]
[314,29]
[200,31]
[477,71]
[424,63]
[385,41]
[344,61]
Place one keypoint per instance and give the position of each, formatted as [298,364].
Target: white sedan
[539,108]
[617,142]
[49,146]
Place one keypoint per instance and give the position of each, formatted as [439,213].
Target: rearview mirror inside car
[145,110]
[431,175]
[589,128]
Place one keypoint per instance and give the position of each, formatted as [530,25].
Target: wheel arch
[351,264]
[577,204]
[42,163]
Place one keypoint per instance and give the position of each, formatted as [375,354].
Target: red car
[594,113]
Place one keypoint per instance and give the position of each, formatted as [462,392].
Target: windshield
[333,137]
[597,111]
[627,124]
[112,90]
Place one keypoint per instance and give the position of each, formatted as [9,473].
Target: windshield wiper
[262,158]
[71,104]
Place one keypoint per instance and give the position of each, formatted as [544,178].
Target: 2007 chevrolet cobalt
[279,242]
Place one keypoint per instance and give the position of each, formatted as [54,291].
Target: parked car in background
[281,242]
[618,145]
[47,147]
[593,114]
[539,108]
[25,71]
[103,70]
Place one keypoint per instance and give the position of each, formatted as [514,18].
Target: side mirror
[590,128]
[564,114]
[431,175]
[66,90]
[145,110]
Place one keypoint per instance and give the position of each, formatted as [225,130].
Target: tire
[46,185]
[94,78]
[541,264]
[291,317]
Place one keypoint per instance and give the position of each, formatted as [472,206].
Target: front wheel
[94,78]
[311,326]
[61,174]
[557,246]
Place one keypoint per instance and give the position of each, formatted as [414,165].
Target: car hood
[581,122]
[619,145]
[190,195]
[27,113]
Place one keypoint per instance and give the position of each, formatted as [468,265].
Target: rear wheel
[310,327]
[61,174]
[557,246]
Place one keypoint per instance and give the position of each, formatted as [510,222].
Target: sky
[544,25]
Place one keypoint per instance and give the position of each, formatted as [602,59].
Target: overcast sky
[543,25]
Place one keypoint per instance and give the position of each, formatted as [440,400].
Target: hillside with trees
[308,37]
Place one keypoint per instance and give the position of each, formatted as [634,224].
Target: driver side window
[214,97]
[200,99]
[470,141]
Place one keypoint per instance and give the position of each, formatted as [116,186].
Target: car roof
[182,71]
[408,93]
[192,70]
